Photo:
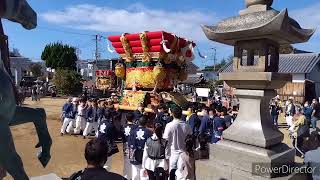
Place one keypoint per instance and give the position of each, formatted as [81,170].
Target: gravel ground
[67,151]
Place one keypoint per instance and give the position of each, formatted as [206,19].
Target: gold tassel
[120,70]
[144,42]
[127,48]
[170,57]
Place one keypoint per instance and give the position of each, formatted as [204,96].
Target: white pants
[65,124]
[137,172]
[108,164]
[80,124]
[289,120]
[90,127]
[173,160]
[126,167]
[71,126]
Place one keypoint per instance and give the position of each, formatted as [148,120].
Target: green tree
[213,84]
[222,63]
[36,69]
[59,56]
[68,82]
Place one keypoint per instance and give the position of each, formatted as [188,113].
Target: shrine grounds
[67,151]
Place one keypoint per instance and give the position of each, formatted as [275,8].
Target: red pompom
[189,53]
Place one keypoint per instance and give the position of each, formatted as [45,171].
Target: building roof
[288,63]
[192,68]
[194,79]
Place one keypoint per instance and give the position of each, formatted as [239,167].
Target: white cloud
[308,17]
[135,18]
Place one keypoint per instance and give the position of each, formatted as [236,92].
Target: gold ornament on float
[167,59]
[120,71]
[183,74]
[127,48]
[144,43]
[159,73]
[180,60]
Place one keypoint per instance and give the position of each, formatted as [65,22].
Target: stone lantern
[253,139]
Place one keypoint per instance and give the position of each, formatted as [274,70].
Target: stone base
[229,159]
[46,177]
[215,170]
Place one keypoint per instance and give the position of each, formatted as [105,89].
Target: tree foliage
[36,69]
[222,63]
[213,84]
[59,56]
[68,82]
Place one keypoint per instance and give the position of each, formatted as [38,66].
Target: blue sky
[75,22]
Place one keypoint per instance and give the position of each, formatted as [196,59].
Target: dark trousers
[314,122]
[156,176]
[275,119]
[172,175]
[299,145]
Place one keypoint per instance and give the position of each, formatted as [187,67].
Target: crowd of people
[290,108]
[164,144]
[159,145]
[301,121]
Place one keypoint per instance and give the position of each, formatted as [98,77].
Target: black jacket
[95,174]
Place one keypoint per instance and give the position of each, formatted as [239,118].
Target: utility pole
[96,54]
[214,58]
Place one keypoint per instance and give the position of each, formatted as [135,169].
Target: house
[87,69]
[209,75]
[192,68]
[19,66]
[305,71]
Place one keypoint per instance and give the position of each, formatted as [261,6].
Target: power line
[97,39]
[63,31]
[97,51]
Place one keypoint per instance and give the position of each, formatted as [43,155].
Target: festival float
[105,80]
[152,65]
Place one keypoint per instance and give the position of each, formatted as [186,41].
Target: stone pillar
[252,139]
[253,124]
[16,76]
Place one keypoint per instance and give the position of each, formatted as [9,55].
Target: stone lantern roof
[259,21]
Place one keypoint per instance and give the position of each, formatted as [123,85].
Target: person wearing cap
[69,120]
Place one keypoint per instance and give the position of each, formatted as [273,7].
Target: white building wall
[298,78]
[314,76]
[18,64]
